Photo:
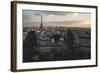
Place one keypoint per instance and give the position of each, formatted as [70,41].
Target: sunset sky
[55,18]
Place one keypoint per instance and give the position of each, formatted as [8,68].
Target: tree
[72,47]
[29,45]
[70,39]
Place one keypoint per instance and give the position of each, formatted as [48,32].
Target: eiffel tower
[41,25]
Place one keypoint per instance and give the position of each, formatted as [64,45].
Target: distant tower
[41,25]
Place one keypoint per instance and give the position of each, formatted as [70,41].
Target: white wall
[5,37]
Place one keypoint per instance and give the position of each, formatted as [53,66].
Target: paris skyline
[54,18]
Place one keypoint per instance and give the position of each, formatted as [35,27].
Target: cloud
[33,17]
[46,13]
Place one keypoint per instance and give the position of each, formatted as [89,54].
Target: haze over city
[54,18]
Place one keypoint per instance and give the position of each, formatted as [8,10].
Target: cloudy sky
[53,18]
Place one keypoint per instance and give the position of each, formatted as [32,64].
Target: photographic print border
[14,34]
